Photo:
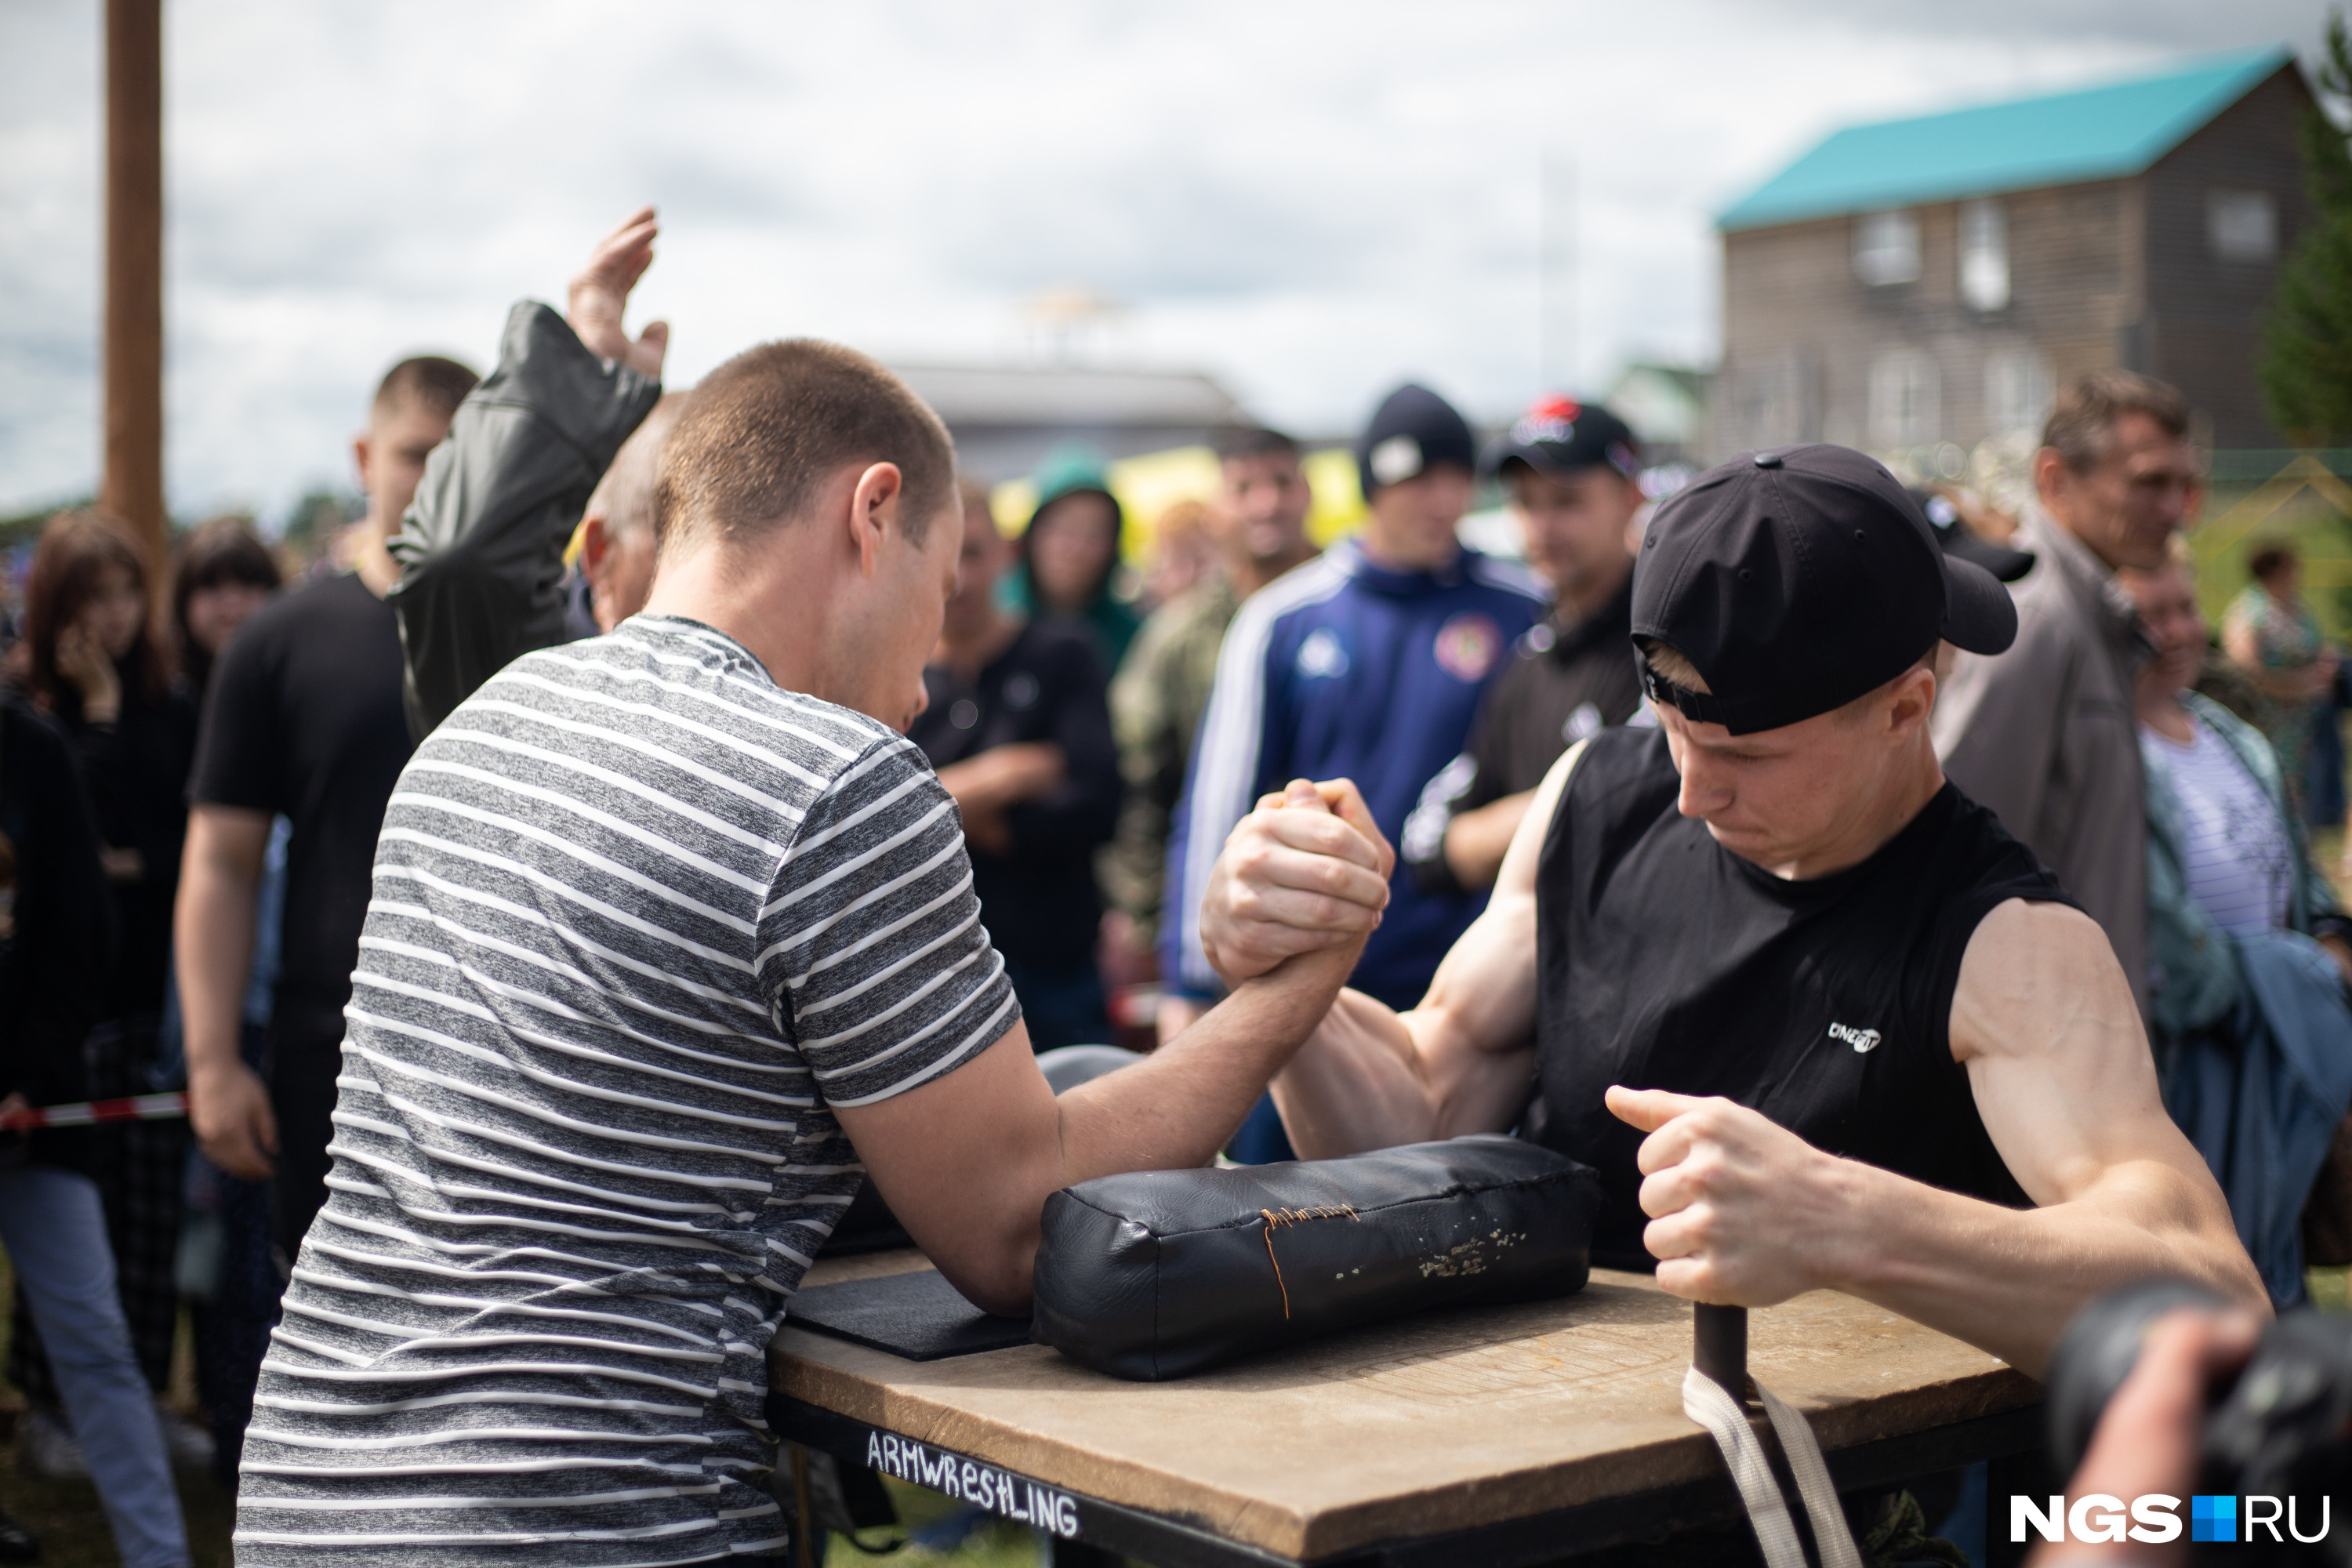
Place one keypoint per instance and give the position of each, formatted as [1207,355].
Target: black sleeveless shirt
[1666,961]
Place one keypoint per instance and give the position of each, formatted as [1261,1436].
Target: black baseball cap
[1558,436]
[1413,431]
[1796,580]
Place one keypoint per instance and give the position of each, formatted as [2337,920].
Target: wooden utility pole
[1556,258]
[133,487]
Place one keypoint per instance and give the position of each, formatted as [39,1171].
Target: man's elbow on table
[966,1163]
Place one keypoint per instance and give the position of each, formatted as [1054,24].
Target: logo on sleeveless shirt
[1861,1041]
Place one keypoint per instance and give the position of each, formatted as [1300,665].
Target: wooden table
[1494,1436]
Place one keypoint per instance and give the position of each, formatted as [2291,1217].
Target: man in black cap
[1816,1018]
[1572,470]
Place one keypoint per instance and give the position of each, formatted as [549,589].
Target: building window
[1984,256]
[2243,225]
[1887,249]
[1904,406]
[2017,390]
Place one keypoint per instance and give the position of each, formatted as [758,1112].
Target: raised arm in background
[481,550]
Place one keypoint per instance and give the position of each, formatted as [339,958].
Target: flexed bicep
[2057,1055]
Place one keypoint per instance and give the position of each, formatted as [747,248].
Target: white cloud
[1311,200]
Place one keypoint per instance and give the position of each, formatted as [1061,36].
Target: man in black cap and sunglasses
[1816,1018]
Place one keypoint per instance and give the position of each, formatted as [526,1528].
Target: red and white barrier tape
[90,1112]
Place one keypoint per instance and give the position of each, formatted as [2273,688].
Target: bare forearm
[979,1218]
[1371,1079]
[214,920]
[1005,776]
[1176,1108]
[1477,841]
[2009,1281]
[2295,685]
[1356,1084]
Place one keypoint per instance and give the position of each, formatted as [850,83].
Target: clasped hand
[1742,1211]
[1308,870]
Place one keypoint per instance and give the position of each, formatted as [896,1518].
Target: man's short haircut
[428,381]
[2270,557]
[624,498]
[2082,423]
[1245,441]
[766,429]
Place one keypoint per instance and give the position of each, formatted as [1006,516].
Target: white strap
[1705,1402]
[1812,1473]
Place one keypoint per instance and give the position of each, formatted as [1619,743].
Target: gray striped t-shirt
[641,919]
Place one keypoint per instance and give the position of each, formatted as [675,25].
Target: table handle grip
[1719,1346]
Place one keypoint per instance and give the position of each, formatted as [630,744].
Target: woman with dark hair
[222,572]
[92,662]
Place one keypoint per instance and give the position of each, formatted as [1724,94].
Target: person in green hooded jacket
[1069,554]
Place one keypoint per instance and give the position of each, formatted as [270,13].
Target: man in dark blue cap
[1368,664]
[1815,1017]
[1573,471]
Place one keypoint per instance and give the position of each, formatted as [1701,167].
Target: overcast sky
[1311,201]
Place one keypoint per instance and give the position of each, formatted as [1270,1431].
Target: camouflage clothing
[1156,703]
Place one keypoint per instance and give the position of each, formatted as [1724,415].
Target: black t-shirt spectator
[1564,683]
[304,717]
[1039,902]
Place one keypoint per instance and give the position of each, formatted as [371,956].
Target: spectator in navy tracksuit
[1367,663]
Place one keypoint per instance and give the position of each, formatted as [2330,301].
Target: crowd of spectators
[194,775]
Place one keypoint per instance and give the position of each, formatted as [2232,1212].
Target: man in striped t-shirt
[673,941]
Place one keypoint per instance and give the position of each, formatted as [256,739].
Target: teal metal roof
[2096,133]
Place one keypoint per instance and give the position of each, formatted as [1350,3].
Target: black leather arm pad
[1160,1274]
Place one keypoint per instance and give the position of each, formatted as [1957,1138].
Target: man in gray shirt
[673,943]
[2042,733]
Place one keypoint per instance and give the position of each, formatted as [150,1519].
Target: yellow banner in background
[1148,484]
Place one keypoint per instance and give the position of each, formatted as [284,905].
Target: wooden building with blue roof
[1925,284]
